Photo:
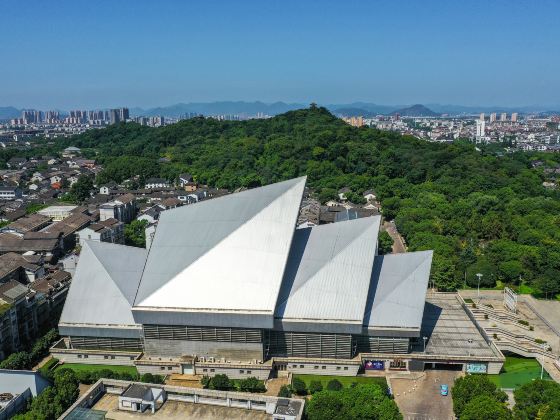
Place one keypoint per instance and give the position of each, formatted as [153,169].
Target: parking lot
[421,400]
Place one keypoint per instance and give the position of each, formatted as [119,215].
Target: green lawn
[518,371]
[344,380]
[90,368]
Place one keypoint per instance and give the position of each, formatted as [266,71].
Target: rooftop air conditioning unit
[211,359]
[202,359]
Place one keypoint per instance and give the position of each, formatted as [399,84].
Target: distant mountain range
[365,109]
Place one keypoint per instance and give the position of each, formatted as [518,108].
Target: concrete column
[195,398]
[248,404]
[228,402]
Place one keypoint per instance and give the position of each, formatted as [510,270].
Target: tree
[149,378]
[315,386]
[385,243]
[221,382]
[364,401]
[67,391]
[18,361]
[135,233]
[334,385]
[82,188]
[285,392]
[485,407]
[443,274]
[469,387]
[536,398]
[299,386]
[251,384]
[325,405]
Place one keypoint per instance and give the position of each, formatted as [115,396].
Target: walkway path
[398,242]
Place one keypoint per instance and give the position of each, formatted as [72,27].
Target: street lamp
[479,275]
[544,345]
[424,338]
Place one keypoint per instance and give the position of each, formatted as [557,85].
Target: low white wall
[323,369]
[234,372]
[97,358]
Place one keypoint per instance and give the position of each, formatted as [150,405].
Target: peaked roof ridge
[333,256]
[288,187]
[412,272]
[96,247]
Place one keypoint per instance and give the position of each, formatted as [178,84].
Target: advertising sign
[476,367]
[374,365]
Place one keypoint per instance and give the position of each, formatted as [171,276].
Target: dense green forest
[480,211]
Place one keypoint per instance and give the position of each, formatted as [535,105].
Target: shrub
[285,392]
[149,378]
[539,341]
[523,322]
[299,386]
[334,385]
[315,386]
[205,382]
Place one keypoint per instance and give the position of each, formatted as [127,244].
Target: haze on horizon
[141,53]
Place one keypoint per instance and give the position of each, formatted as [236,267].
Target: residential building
[503,117]
[10,192]
[109,230]
[185,179]
[17,387]
[122,208]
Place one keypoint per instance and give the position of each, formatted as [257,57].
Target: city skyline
[109,55]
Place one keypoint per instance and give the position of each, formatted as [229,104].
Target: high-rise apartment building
[514,117]
[480,128]
[482,116]
[503,116]
[492,117]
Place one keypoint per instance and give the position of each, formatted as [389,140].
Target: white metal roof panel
[329,272]
[103,288]
[226,254]
[398,290]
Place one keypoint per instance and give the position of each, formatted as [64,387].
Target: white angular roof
[398,290]
[104,285]
[329,272]
[227,254]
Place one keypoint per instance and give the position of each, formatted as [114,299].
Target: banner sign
[374,365]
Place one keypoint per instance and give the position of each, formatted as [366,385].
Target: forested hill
[479,212]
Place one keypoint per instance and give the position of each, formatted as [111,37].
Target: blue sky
[68,54]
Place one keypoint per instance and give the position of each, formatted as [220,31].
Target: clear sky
[68,54]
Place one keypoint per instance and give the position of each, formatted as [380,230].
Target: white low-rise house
[10,193]
[369,195]
[57,213]
[37,176]
[122,208]
[55,179]
[151,215]
[110,230]
[139,398]
[185,179]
